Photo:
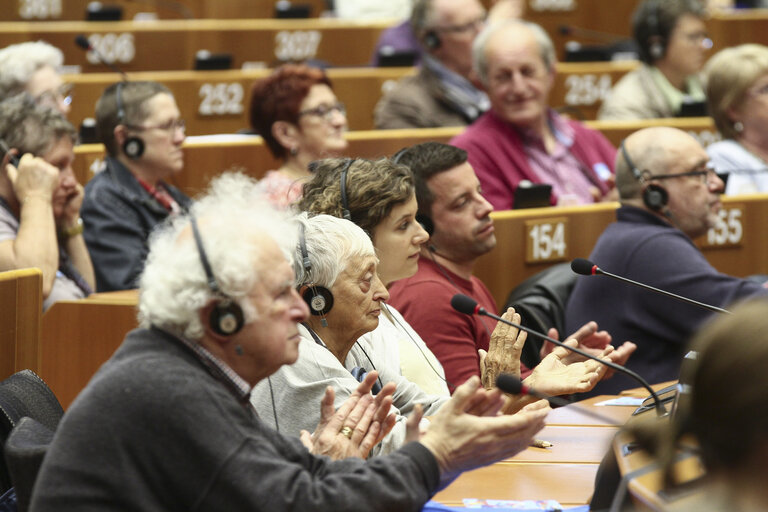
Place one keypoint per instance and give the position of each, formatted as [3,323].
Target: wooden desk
[219,101]
[570,444]
[77,338]
[21,300]
[734,27]
[572,416]
[528,241]
[74,10]
[614,19]
[580,87]
[570,484]
[172,44]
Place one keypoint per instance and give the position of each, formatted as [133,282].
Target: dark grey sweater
[155,430]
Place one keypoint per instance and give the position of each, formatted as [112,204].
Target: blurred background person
[731,437]
[521,137]
[33,67]
[672,40]
[300,119]
[442,92]
[401,38]
[737,94]
[142,130]
[40,201]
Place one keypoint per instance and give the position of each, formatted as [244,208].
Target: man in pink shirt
[520,137]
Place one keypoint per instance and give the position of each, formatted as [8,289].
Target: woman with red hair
[296,112]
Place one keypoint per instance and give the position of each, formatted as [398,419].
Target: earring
[738,126]
[293,151]
[239,350]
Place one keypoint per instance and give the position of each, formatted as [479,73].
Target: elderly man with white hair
[166,423]
[33,68]
[520,137]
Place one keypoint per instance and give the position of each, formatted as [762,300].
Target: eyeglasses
[698,38]
[473,25]
[170,126]
[61,95]
[325,111]
[703,173]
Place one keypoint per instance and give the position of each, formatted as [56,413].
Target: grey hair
[31,128]
[234,219]
[330,243]
[480,60]
[18,62]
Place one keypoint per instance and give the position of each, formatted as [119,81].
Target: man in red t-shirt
[449,193]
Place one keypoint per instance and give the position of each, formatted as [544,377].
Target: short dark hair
[133,99]
[32,128]
[658,18]
[425,160]
[278,97]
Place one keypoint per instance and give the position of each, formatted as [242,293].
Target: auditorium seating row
[206,157]
[73,338]
[218,101]
[172,44]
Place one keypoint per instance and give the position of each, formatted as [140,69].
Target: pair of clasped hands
[478,425]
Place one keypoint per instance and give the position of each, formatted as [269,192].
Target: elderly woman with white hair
[337,275]
[33,68]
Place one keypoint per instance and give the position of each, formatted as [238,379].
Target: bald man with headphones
[669,196]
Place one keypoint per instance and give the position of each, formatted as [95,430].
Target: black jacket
[118,215]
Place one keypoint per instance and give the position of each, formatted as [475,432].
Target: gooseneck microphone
[509,383]
[572,30]
[86,45]
[587,268]
[469,306]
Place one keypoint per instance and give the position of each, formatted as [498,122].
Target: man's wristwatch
[73,230]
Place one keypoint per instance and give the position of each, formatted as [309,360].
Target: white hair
[480,59]
[330,243]
[234,221]
[18,62]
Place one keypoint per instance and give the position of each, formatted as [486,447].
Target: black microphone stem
[663,292]
[660,411]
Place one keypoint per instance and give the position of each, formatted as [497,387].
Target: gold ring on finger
[346,432]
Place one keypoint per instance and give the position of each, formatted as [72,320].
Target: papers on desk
[627,401]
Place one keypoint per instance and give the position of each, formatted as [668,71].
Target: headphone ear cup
[226,318]
[656,50]
[426,223]
[655,196]
[133,147]
[432,40]
[319,299]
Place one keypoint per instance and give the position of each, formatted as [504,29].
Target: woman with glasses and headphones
[296,112]
[672,41]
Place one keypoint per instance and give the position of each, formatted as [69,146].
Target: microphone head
[584,267]
[82,42]
[509,383]
[464,304]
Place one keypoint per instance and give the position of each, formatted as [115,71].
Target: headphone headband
[343,185]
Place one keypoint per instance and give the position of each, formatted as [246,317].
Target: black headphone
[343,187]
[657,48]
[318,298]
[655,197]
[422,218]
[226,316]
[432,40]
[133,145]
